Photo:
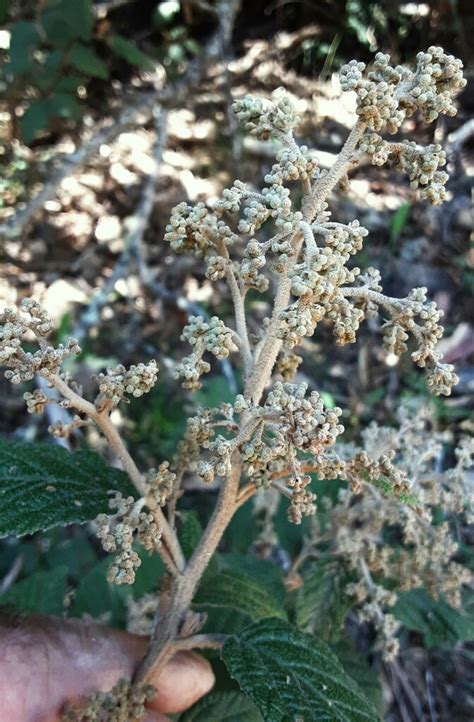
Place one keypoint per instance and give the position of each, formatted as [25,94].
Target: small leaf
[64,105]
[42,592]
[399,221]
[191,532]
[96,597]
[67,20]
[265,572]
[129,52]
[34,119]
[290,675]
[23,41]
[321,604]
[223,707]
[239,591]
[43,486]
[435,620]
[87,61]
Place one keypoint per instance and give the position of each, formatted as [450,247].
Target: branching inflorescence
[275,433]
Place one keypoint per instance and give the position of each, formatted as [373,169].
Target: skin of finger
[186,678]
[155,717]
[65,660]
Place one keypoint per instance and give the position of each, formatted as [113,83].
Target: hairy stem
[323,188]
[118,447]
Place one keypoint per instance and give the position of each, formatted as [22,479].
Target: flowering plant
[279,437]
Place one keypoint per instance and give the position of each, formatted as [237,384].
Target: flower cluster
[22,365]
[419,163]
[212,336]
[389,94]
[264,118]
[197,230]
[134,520]
[124,702]
[424,553]
[135,381]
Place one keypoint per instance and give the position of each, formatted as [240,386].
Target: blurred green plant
[51,59]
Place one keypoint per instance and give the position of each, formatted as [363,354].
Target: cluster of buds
[134,381]
[303,419]
[199,432]
[316,283]
[212,336]
[425,553]
[293,163]
[287,365]
[161,484]
[416,316]
[265,118]
[389,94]
[420,163]
[124,702]
[197,230]
[23,365]
[302,501]
[132,520]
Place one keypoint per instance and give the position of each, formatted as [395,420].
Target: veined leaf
[264,571]
[129,52]
[87,61]
[231,588]
[435,620]
[223,707]
[43,486]
[321,604]
[290,675]
[191,532]
[42,592]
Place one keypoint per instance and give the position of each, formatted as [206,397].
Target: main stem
[166,637]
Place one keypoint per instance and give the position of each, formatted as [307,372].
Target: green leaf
[77,554]
[399,221]
[148,574]
[214,391]
[242,530]
[223,707]
[176,53]
[87,61]
[224,620]
[435,620]
[69,84]
[321,605]
[23,41]
[239,591]
[191,532]
[66,20]
[359,669]
[43,486]
[42,592]
[96,597]
[290,675]
[262,570]
[129,52]
[34,119]
[64,105]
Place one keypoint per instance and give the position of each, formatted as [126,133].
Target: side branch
[116,443]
